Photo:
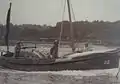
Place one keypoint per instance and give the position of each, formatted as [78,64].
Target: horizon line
[61,21]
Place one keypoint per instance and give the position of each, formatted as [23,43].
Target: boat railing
[117,50]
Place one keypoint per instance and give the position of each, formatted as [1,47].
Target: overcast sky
[50,11]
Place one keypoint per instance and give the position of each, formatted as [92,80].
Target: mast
[8,27]
[71,28]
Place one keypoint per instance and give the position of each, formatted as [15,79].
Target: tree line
[107,31]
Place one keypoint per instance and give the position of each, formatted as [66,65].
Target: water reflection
[19,77]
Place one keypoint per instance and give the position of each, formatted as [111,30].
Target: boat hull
[95,61]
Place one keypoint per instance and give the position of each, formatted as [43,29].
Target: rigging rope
[73,12]
[61,31]
[74,18]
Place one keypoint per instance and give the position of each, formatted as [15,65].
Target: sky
[50,11]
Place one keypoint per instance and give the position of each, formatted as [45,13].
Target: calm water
[60,77]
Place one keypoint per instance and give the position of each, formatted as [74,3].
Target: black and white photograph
[59,41]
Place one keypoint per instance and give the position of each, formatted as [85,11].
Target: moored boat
[75,60]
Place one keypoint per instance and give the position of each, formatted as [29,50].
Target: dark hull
[90,62]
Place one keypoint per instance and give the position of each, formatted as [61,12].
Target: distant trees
[82,30]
